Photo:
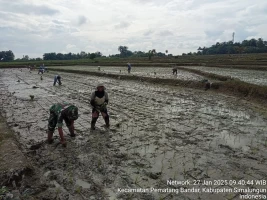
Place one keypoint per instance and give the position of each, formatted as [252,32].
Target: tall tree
[151,53]
[26,57]
[83,54]
[260,43]
[92,56]
[7,56]
[123,50]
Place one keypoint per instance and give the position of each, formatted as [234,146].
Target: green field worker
[58,113]
[99,102]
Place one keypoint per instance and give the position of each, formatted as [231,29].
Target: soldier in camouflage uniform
[58,113]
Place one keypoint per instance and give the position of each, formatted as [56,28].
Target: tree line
[246,46]
[71,56]
[124,52]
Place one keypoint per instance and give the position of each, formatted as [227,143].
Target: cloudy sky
[34,27]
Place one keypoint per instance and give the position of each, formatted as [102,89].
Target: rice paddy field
[155,72]
[158,133]
[257,77]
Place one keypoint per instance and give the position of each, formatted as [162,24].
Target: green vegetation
[236,55]
[246,61]
[3,191]
[6,56]
[247,46]
[71,56]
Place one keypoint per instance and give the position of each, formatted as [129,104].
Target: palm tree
[151,53]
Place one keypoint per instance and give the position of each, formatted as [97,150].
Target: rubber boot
[50,137]
[93,122]
[107,121]
[62,140]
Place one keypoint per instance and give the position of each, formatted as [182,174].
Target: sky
[35,27]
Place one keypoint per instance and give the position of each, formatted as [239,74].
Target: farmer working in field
[57,79]
[99,101]
[174,70]
[41,70]
[207,84]
[129,67]
[58,113]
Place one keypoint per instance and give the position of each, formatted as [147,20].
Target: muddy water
[156,72]
[157,133]
[251,76]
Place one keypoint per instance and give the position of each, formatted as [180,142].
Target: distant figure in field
[41,69]
[44,68]
[129,67]
[207,84]
[57,79]
[174,70]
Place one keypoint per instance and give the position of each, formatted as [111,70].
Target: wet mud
[154,72]
[157,133]
[247,75]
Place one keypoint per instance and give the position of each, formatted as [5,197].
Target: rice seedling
[78,190]
[58,190]
[32,97]
[207,171]
[175,175]
[194,161]
[162,166]
[136,181]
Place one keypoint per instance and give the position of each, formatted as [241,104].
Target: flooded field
[157,133]
[157,72]
[250,76]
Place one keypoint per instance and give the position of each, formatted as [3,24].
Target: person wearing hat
[58,113]
[57,78]
[99,102]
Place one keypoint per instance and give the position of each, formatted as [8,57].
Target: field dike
[226,84]
[158,133]
[206,74]
[173,82]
